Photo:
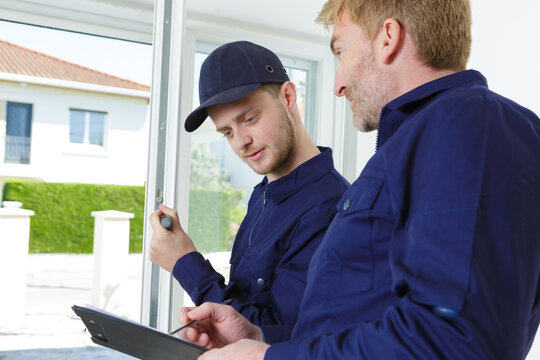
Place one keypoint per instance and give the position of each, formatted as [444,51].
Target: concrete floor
[50,329]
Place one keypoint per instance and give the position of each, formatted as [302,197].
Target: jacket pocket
[288,292]
[347,254]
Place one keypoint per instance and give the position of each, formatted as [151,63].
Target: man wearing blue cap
[435,250]
[245,90]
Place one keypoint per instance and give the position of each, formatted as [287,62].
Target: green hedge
[62,222]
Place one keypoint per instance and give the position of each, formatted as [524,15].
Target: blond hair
[272,89]
[440,29]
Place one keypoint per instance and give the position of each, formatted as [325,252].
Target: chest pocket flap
[360,196]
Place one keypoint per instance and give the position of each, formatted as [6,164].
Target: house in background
[62,122]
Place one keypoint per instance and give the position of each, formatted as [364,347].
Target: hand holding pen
[192,322]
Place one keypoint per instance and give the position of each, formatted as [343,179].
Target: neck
[413,79]
[409,72]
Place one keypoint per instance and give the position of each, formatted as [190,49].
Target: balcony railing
[17,149]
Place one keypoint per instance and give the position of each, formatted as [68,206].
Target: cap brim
[197,116]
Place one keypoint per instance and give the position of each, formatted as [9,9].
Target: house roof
[19,60]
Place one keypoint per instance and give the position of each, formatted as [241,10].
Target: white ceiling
[285,15]
[132,19]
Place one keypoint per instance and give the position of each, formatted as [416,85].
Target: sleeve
[192,271]
[410,331]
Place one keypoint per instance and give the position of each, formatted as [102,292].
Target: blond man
[434,252]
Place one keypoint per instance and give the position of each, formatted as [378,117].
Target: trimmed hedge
[62,222]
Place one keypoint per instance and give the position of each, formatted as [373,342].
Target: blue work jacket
[284,224]
[435,250]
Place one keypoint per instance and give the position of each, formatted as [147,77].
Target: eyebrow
[237,117]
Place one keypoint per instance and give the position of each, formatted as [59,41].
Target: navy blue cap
[232,71]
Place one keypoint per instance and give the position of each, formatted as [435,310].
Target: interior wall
[506,49]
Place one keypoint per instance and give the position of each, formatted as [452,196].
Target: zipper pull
[265,196]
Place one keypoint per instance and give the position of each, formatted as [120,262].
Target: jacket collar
[399,109]
[305,174]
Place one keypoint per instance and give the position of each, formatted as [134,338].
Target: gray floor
[88,352]
[50,330]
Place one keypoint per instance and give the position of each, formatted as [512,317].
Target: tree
[205,172]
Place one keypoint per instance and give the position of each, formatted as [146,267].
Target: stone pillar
[111,250]
[14,239]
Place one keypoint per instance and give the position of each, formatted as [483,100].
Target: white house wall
[121,161]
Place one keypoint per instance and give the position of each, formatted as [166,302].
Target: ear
[390,40]
[287,95]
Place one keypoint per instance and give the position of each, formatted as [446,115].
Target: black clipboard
[134,339]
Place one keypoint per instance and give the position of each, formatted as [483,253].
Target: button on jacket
[284,224]
[435,250]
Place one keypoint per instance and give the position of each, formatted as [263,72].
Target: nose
[242,139]
[339,83]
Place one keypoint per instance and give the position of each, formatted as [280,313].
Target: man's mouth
[256,155]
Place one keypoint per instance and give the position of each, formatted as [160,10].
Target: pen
[226,302]
[166,221]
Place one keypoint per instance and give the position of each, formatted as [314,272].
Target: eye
[227,133]
[337,50]
[250,120]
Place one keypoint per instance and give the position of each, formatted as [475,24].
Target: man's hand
[168,245]
[242,350]
[219,325]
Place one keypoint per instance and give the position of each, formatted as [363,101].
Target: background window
[18,133]
[302,74]
[86,127]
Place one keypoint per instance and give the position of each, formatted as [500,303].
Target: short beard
[377,89]
[366,119]
[285,149]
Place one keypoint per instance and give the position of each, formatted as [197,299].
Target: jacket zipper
[379,130]
[260,215]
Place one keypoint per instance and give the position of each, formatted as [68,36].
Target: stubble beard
[370,90]
[283,150]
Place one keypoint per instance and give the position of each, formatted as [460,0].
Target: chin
[365,124]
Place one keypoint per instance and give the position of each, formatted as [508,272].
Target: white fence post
[111,250]
[14,238]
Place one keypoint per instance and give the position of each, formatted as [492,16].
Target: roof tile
[16,59]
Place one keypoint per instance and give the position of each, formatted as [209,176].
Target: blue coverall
[435,250]
[284,224]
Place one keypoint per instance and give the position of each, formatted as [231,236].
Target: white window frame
[162,297]
[329,125]
[169,146]
[165,140]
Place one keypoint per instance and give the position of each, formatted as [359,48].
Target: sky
[125,59]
